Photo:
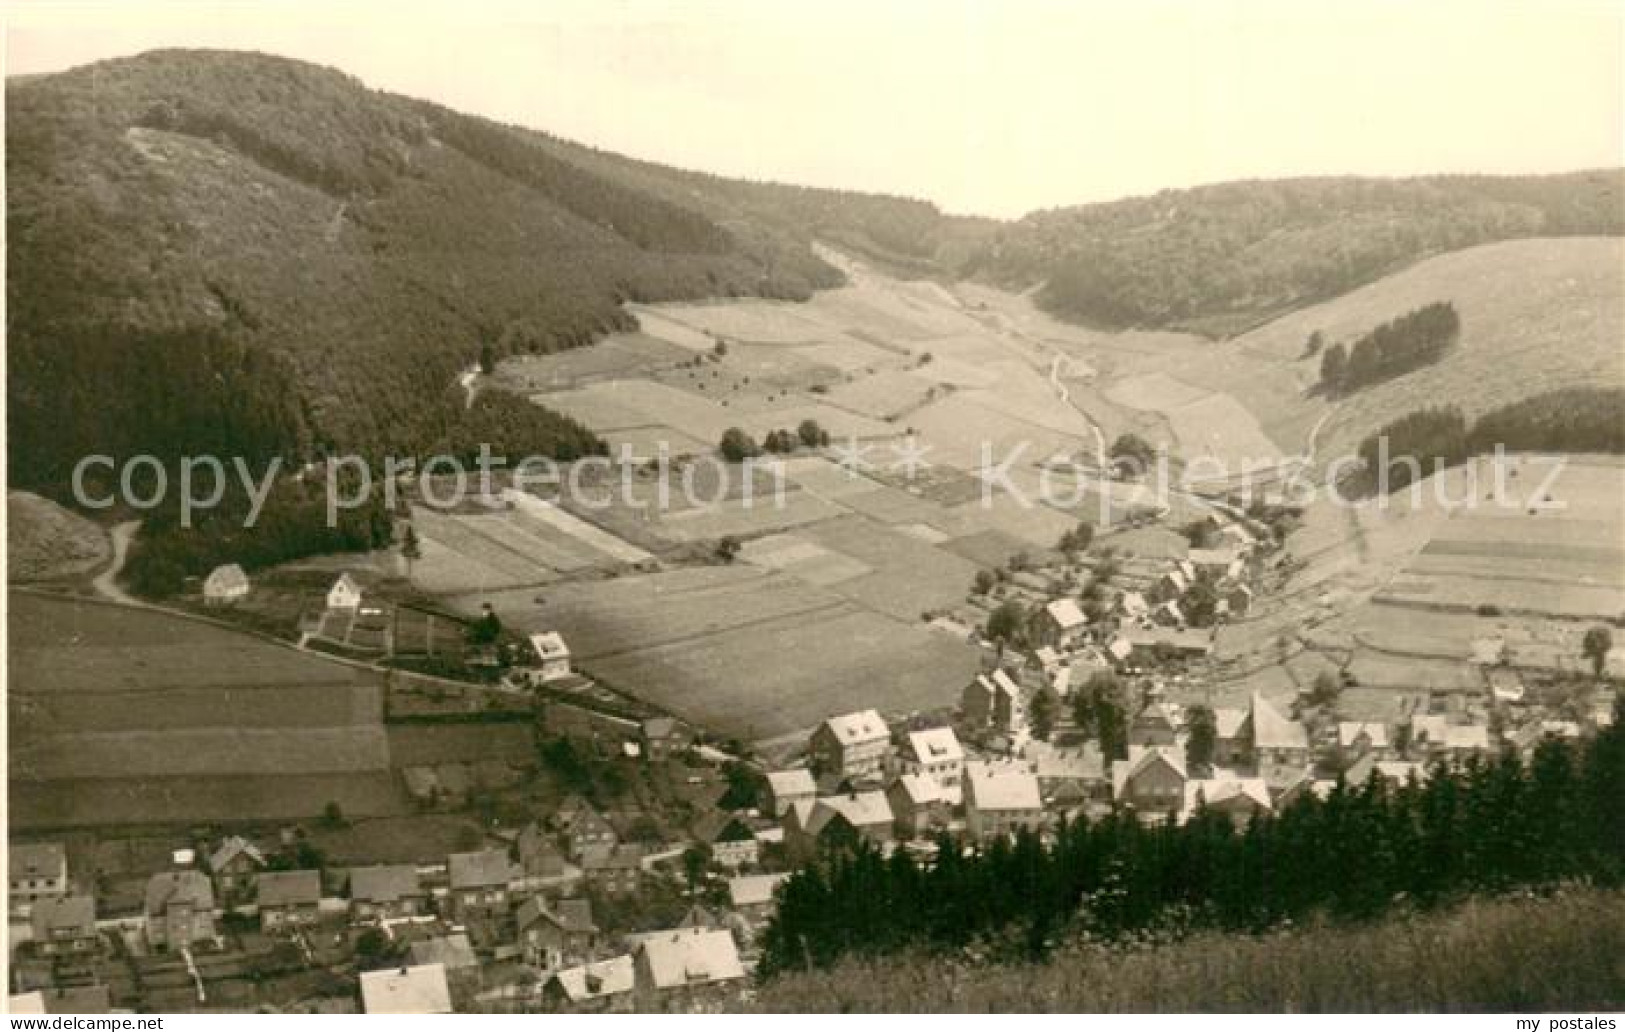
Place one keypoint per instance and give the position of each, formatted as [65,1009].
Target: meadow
[1557,953]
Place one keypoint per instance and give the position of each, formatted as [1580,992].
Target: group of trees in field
[1588,419]
[1399,346]
[1490,825]
[736,445]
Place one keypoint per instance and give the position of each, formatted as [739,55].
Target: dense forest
[1220,259]
[1576,420]
[1399,346]
[1487,826]
[242,254]
[291,524]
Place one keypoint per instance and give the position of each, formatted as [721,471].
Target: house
[1067,775]
[406,990]
[1150,780]
[234,865]
[1153,725]
[1229,745]
[786,788]
[733,842]
[479,883]
[539,856]
[35,871]
[288,899]
[385,892]
[1505,684]
[838,822]
[1238,598]
[1168,614]
[685,968]
[1356,738]
[552,660]
[852,744]
[583,827]
[1239,799]
[344,594]
[754,897]
[999,799]
[224,585]
[1063,624]
[65,926]
[994,702]
[601,986]
[557,935]
[1271,739]
[1216,562]
[613,870]
[452,952]
[1170,587]
[662,738]
[179,909]
[918,804]
[1133,605]
[934,752]
[1440,738]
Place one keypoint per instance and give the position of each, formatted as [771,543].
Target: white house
[225,584]
[1064,623]
[552,656]
[935,752]
[344,594]
[406,990]
[789,787]
[1000,799]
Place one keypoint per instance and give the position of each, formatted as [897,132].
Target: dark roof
[283,888]
[385,883]
[477,870]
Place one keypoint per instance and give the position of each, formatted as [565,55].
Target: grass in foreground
[1563,952]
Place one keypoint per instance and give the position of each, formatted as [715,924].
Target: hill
[258,256]
[1536,316]
[1556,953]
[45,541]
[1218,259]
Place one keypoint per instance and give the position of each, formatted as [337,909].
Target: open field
[708,643]
[125,716]
[1400,589]
[1555,953]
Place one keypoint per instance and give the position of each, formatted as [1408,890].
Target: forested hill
[243,253]
[1220,259]
[239,252]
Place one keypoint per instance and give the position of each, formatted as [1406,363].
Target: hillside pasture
[128,716]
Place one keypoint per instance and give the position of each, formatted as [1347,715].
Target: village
[1090,700]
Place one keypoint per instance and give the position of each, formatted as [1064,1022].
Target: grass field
[709,643]
[126,716]
[1556,954]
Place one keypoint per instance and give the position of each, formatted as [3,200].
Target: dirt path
[106,582]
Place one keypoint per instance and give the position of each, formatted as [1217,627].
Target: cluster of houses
[436,928]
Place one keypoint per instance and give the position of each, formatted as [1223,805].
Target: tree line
[1416,339]
[1585,419]
[1487,826]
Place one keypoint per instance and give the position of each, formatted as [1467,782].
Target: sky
[987,107]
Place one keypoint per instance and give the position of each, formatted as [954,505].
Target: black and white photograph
[750,508]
